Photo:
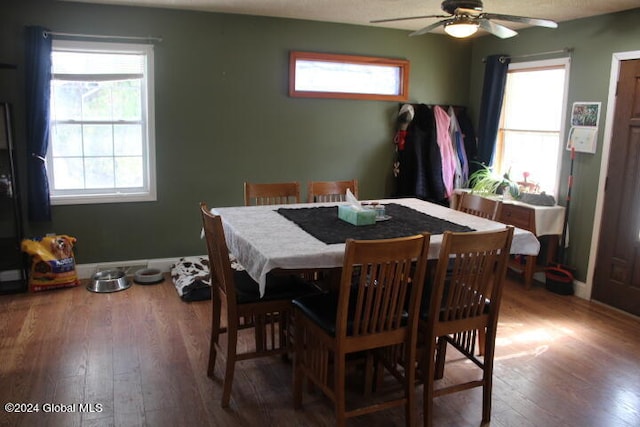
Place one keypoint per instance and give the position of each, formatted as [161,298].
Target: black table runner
[323,224]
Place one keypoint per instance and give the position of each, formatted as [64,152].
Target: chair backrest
[479,206]
[280,193]
[330,191]
[221,274]
[470,273]
[381,283]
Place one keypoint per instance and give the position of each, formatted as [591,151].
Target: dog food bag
[52,262]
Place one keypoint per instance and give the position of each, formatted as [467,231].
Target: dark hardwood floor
[140,356]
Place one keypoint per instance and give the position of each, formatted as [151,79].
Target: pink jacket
[446,150]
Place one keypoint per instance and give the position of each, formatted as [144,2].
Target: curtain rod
[99,36]
[530,55]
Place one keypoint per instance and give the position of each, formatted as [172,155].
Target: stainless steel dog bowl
[109,281]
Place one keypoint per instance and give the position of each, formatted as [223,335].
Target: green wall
[223,115]
[594,40]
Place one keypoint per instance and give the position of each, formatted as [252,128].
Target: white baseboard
[580,290]
[85,271]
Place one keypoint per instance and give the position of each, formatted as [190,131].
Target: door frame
[617,57]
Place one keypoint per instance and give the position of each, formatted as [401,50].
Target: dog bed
[191,278]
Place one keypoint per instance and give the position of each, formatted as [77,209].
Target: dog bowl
[109,281]
[148,276]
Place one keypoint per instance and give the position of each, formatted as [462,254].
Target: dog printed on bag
[52,262]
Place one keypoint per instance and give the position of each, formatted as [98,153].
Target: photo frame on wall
[583,135]
[585,114]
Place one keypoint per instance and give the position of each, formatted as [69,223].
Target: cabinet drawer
[518,216]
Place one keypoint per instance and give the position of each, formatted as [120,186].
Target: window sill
[103,198]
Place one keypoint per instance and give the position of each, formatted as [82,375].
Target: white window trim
[566,62]
[148,110]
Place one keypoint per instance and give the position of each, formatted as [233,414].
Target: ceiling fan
[466,17]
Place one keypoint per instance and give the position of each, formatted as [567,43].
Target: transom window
[101,123]
[532,121]
[322,75]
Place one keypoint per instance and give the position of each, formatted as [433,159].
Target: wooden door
[617,272]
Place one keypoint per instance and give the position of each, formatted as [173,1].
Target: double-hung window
[101,123]
[531,126]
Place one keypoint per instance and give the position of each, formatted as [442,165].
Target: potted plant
[486,181]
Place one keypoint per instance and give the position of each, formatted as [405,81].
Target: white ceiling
[360,12]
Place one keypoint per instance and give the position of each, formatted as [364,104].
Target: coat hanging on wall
[422,145]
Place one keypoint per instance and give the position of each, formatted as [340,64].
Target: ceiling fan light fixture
[461,28]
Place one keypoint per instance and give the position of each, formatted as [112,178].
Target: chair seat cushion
[279,287]
[322,310]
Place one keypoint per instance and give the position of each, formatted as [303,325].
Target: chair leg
[369,373]
[215,334]
[530,265]
[430,374]
[338,389]
[298,372]
[379,371]
[409,386]
[486,400]
[287,333]
[259,331]
[440,356]
[488,379]
[482,339]
[232,335]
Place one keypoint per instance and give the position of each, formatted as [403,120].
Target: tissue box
[356,216]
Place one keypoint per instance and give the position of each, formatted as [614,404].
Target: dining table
[311,236]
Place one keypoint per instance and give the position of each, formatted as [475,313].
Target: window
[320,75]
[101,125]
[532,122]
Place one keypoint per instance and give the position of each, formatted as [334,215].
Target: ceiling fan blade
[521,19]
[377,21]
[430,27]
[496,29]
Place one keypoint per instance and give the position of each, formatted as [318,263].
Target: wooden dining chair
[463,298]
[269,316]
[280,193]
[479,206]
[330,191]
[484,208]
[376,305]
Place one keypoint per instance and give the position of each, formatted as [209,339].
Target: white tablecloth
[263,240]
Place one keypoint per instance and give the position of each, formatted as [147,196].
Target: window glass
[529,142]
[317,76]
[323,75]
[101,134]
[537,89]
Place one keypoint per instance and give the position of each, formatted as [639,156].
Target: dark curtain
[495,78]
[38,85]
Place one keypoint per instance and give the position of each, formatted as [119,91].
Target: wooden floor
[139,356]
